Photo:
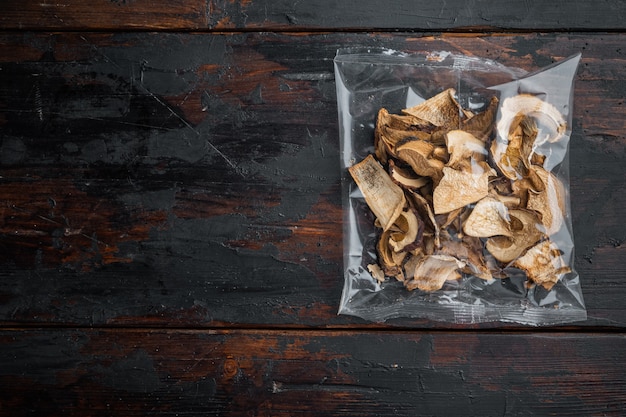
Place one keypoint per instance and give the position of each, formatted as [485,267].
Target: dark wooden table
[170,214]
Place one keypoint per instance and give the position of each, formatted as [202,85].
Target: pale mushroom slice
[526,122]
[459,188]
[382,195]
[376,272]
[550,121]
[543,264]
[514,156]
[526,231]
[442,110]
[432,271]
[488,218]
[464,148]
[418,154]
[548,200]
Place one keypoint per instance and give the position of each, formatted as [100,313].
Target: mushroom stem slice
[432,271]
[543,264]
[382,195]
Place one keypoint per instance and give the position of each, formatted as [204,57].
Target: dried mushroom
[459,188]
[455,194]
[432,271]
[543,264]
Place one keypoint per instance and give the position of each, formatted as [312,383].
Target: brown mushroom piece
[481,125]
[459,188]
[392,129]
[525,232]
[406,232]
[389,260]
[418,154]
[406,178]
[432,271]
[441,110]
[382,195]
[464,148]
[488,218]
[468,249]
[548,199]
[543,264]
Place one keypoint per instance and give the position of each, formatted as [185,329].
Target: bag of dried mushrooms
[456,189]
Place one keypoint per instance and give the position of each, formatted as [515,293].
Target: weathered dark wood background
[170,216]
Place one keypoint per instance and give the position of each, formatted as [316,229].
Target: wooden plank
[452,15]
[193,179]
[74,372]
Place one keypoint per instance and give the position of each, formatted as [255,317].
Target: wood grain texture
[99,372]
[451,15]
[193,179]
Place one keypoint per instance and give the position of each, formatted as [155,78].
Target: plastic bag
[425,257]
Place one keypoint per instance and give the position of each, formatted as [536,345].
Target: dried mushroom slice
[525,232]
[406,232]
[543,264]
[549,120]
[384,198]
[460,188]
[392,129]
[488,218]
[418,154]
[548,200]
[526,122]
[389,260]
[468,249]
[481,125]
[441,110]
[406,178]
[423,208]
[432,271]
[463,148]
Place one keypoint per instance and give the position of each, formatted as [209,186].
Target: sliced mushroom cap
[418,154]
[382,195]
[464,147]
[406,232]
[389,260]
[392,129]
[426,213]
[549,120]
[549,200]
[406,178]
[442,110]
[460,188]
[525,232]
[489,217]
[432,271]
[543,264]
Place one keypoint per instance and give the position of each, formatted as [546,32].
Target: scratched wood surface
[170,226]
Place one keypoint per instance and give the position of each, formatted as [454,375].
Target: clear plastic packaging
[500,286]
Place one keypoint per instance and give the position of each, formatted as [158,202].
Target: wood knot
[231,368]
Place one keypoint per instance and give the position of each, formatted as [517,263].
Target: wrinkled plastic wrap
[371,80]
